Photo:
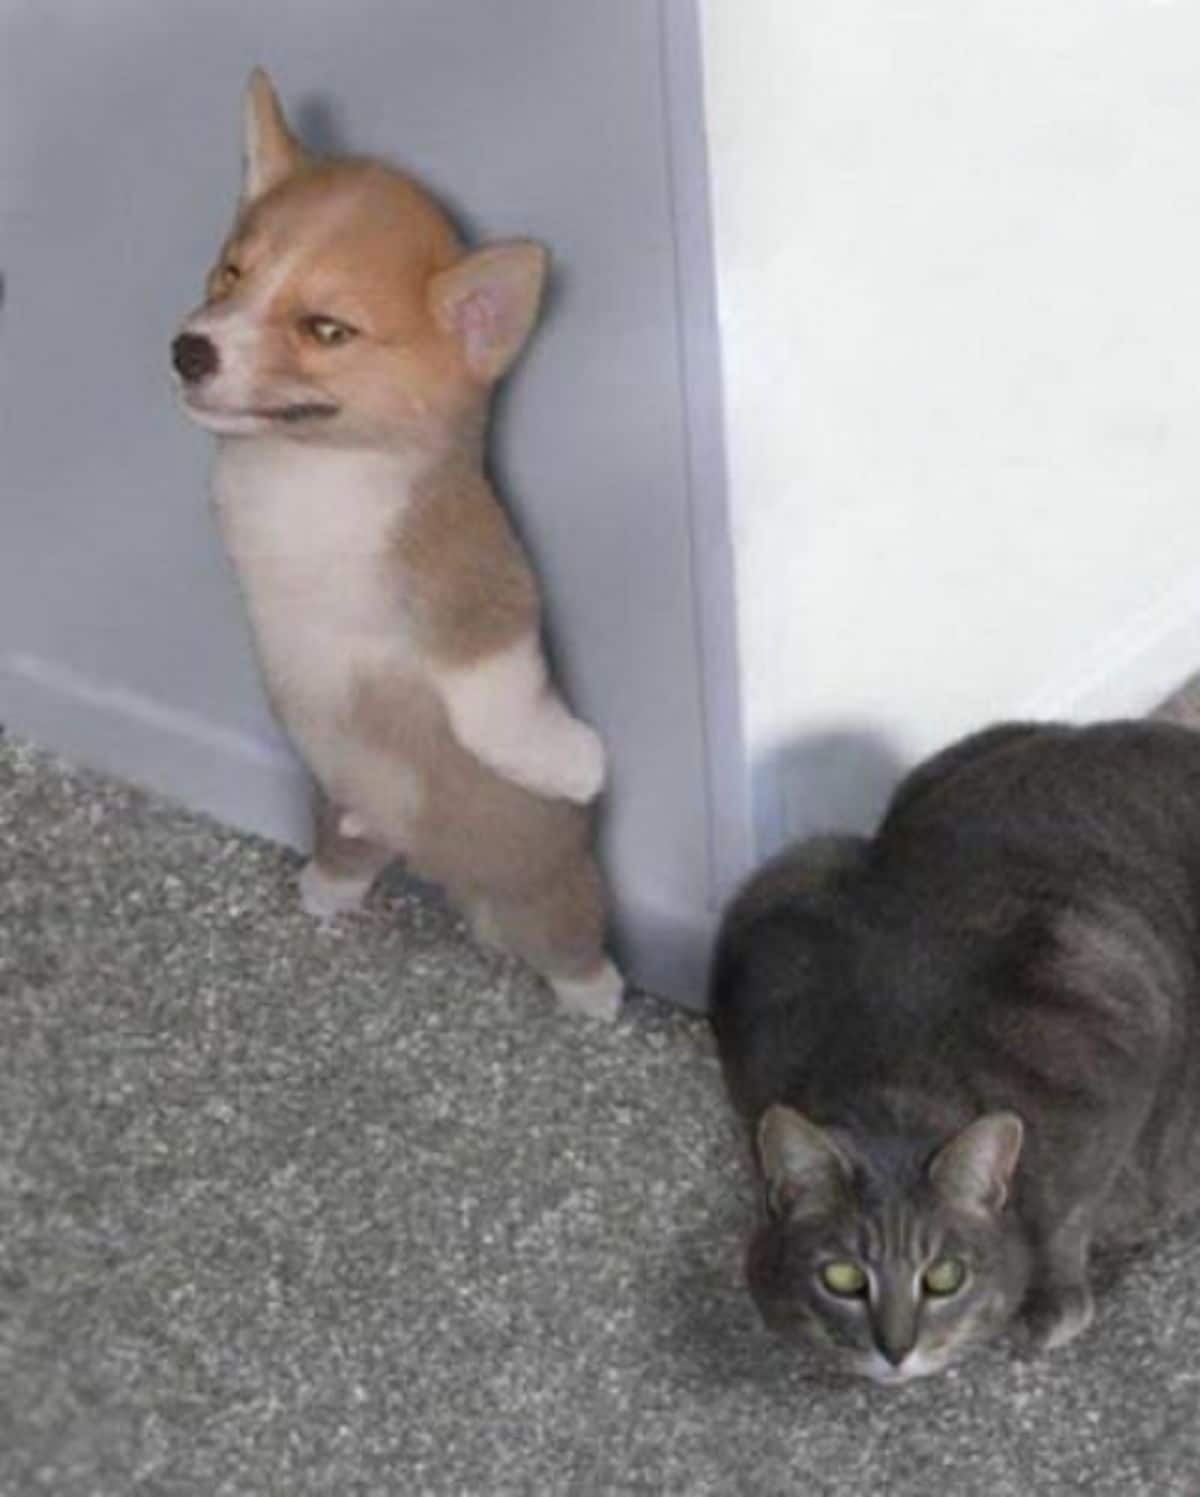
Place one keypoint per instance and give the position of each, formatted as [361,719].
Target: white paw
[583,764]
[323,896]
[569,763]
[503,710]
[596,997]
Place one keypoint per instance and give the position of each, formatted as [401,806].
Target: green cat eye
[945,1276]
[844,1278]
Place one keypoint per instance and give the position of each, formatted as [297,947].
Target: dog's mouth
[247,419]
[301,410]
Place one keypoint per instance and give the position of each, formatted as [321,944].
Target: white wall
[958,246]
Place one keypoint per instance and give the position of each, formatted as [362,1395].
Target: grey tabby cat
[969,1047]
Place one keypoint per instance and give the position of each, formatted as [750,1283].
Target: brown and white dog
[344,358]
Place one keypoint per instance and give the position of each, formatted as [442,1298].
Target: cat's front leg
[1054,1314]
[1059,1305]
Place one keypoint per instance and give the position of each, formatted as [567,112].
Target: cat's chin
[801,1332]
[914,1367]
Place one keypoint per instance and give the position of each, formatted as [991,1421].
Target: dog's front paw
[564,761]
[581,764]
[323,896]
[1055,1315]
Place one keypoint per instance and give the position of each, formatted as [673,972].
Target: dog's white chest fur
[309,530]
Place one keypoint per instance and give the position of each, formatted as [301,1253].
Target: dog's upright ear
[270,152]
[488,302]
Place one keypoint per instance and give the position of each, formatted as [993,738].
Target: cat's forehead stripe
[898,1231]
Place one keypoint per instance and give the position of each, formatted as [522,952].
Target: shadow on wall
[320,123]
[836,781]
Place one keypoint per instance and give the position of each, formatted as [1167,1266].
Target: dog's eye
[328,331]
[230,273]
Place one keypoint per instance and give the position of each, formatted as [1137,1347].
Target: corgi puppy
[344,357]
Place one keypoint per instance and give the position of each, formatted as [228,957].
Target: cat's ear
[974,1170]
[805,1171]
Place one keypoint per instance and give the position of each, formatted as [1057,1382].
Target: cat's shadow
[708,1331]
[711,1335]
[836,781]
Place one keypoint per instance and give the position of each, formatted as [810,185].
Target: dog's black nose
[194,356]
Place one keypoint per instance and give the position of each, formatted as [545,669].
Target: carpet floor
[289,1210]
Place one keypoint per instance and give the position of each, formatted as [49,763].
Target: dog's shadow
[321,125]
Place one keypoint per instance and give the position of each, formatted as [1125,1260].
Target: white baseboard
[259,787]
[1134,668]
[101,725]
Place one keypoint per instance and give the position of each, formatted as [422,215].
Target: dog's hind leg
[344,863]
[559,931]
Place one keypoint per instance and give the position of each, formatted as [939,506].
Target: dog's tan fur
[459,610]
[396,616]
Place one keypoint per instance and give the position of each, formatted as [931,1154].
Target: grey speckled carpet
[296,1211]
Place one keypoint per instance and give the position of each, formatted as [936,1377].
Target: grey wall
[121,639]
